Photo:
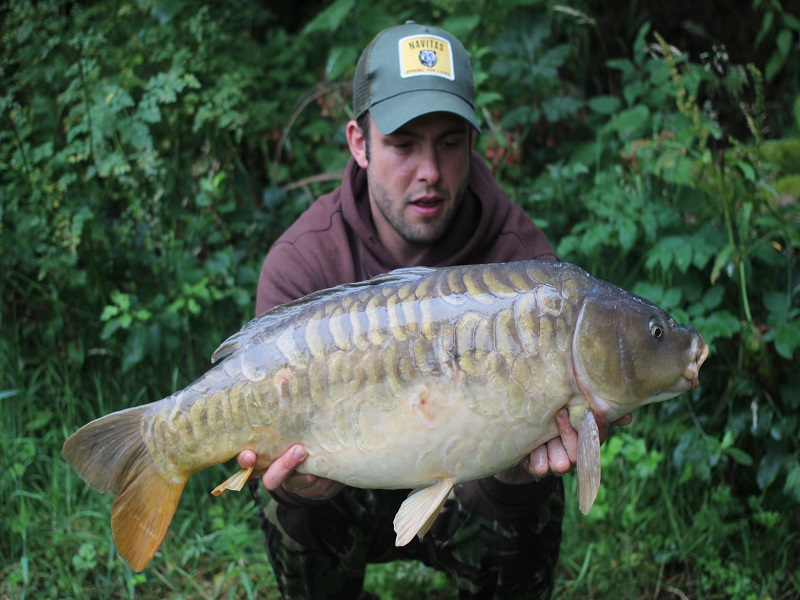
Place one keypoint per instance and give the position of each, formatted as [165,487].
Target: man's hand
[282,473]
[556,456]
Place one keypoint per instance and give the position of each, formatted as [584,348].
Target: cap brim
[391,114]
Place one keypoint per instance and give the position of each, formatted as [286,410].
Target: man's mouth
[428,207]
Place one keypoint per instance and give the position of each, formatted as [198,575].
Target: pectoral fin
[235,482]
[419,511]
[588,461]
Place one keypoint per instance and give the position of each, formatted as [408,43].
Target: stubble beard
[425,233]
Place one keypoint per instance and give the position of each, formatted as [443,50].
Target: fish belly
[413,446]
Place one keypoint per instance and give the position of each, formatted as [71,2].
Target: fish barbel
[421,378]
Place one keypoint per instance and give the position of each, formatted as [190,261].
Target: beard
[423,232]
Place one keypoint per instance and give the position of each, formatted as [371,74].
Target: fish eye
[656,328]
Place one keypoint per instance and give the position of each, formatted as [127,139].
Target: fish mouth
[700,353]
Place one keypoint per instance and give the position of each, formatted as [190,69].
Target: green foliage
[686,215]
[780,25]
[404,580]
[153,150]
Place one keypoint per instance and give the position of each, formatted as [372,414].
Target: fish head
[627,352]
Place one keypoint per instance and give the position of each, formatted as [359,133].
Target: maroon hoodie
[335,241]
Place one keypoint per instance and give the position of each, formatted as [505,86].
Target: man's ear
[357,143]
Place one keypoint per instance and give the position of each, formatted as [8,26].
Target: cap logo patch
[426,55]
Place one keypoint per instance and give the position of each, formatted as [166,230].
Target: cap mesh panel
[362,97]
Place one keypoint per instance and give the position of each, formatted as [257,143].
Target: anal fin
[420,509]
[588,461]
[234,483]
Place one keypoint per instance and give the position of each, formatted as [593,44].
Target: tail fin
[110,455]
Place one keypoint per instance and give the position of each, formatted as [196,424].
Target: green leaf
[712,297]
[670,251]
[774,65]
[739,456]
[766,26]
[109,312]
[649,291]
[621,64]
[629,123]
[787,339]
[340,58]
[143,314]
[134,350]
[792,486]
[461,25]
[747,170]
[777,304]
[331,18]
[486,98]
[627,234]
[784,42]
[557,108]
[791,21]
[721,261]
[604,105]
[521,115]
[721,324]
[769,466]
[675,167]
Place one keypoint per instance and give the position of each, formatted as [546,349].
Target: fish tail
[110,455]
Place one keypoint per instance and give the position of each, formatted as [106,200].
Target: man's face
[417,177]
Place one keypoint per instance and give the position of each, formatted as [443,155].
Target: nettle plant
[666,201]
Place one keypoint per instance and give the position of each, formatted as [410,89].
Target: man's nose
[428,168]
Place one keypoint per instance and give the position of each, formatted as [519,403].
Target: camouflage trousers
[322,552]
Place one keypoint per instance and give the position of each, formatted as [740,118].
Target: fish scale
[420,378]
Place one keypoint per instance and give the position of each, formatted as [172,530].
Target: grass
[648,536]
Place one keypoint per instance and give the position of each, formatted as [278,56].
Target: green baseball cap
[411,70]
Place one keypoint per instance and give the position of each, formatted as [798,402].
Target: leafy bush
[665,203]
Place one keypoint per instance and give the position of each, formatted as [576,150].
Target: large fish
[420,378]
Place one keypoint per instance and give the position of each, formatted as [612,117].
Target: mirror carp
[420,378]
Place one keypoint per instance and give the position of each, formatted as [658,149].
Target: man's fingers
[568,440]
[558,457]
[283,467]
[539,465]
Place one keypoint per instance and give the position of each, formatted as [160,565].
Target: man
[414,193]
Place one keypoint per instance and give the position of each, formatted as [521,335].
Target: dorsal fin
[275,316]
